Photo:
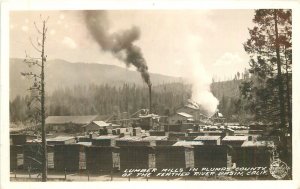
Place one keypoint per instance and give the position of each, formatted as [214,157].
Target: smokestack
[150,98]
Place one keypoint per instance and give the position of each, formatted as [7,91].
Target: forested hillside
[88,89]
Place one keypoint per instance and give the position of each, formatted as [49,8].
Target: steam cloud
[120,43]
[198,76]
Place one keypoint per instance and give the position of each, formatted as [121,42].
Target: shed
[209,140]
[61,140]
[104,140]
[70,157]
[102,158]
[212,156]
[137,157]
[234,140]
[174,157]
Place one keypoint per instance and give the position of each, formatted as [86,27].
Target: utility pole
[38,90]
[44,144]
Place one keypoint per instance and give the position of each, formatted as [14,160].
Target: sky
[172,41]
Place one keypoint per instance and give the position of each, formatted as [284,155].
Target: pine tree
[267,46]
[270,47]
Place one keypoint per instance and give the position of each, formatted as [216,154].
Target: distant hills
[61,74]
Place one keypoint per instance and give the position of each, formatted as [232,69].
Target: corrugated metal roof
[184,114]
[70,119]
[235,138]
[207,137]
[152,138]
[188,143]
[59,138]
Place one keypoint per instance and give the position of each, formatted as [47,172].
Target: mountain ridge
[60,73]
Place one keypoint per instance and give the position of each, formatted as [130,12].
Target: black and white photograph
[150,95]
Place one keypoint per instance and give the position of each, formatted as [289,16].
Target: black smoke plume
[120,43]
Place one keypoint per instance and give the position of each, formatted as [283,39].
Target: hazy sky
[172,41]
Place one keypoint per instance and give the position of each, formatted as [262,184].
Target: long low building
[68,123]
[137,153]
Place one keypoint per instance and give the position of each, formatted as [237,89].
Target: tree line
[105,100]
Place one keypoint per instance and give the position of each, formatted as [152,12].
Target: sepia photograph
[150,95]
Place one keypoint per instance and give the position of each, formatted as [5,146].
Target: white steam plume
[199,78]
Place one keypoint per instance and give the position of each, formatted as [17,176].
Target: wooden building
[137,157]
[69,124]
[70,157]
[102,158]
[195,110]
[212,156]
[180,118]
[253,154]
[95,126]
[174,157]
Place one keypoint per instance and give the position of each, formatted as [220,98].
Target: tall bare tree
[38,88]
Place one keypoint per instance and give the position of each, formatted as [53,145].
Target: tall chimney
[150,98]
